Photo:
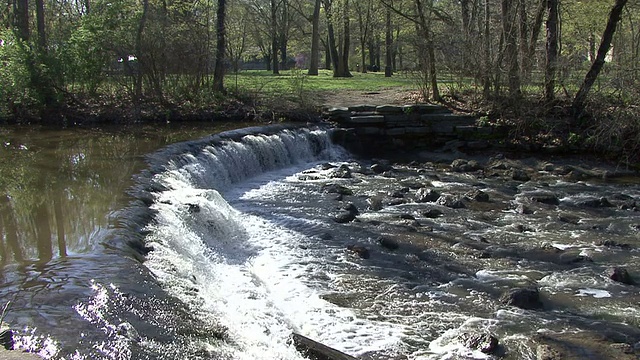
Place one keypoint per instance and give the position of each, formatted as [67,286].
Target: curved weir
[218,247]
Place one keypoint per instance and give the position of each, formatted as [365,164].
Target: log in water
[317,351]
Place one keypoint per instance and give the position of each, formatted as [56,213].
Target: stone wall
[371,130]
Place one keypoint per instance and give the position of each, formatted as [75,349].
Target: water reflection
[58,187]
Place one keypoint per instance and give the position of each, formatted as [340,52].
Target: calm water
[244,249]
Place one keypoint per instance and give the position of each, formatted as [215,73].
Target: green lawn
[294,82]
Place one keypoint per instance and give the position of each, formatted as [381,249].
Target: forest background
[560,70]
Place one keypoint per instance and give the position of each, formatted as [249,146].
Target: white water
[248,270]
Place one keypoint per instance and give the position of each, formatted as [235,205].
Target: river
[166,242]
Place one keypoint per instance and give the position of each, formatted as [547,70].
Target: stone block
[396,131]
[370,119]
[418,130]
[369,130]
[389,109]
[466,129]
[362,108]
[425,109]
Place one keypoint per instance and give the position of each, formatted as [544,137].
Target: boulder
[388,243]
[359,250]
[544,198]
[520,175]
[379,168]
[342,172]
[336,189]
[477,195]
[426,195]
[375,203]
[344,217]
[462,165]
[432,213]
[596,203]
[451,201]
[620,275]
[613,244]
[524,298]
[484,342]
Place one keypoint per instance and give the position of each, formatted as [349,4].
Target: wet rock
[544,198]
[374,203]
[623,348]
[549,248]
[325,236]
[613,244]
[359,250]
[309,177]
[477,195]
[127,330]
[344,217]
[397,193]
[387,243]
[596,203]
[451,201]
[524,298]
[406,217]
[569,258]
[484,342]
[426,195]
[620,275]
[336,189]
[327,166]
[462,165]
[569,218]
[396,201]
[343,172]
[193,208]
[380,168]
[432,213]
[546,352]
[523,209]
[520,175]
[6,339]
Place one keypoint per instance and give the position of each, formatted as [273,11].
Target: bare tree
[598,63]
[218,71]
[552,50]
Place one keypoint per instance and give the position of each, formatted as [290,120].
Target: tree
[339,55]
[552,50]
[218,72]
[315,40]
[598,63]
[511,48]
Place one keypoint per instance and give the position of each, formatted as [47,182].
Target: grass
[292,81]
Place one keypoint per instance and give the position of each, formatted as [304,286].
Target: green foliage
[16,92]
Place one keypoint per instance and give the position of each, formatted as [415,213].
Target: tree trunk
[524,35]
[315,40]
[511,48]
[343,64]
[533,40]
[218,71]
[486,77]
[42,38]
[598,63]
[333,50]
[140,56]
[552,50]
[388,67]
[22,19]
[274,38]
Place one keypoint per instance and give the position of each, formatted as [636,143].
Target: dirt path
[357,97]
